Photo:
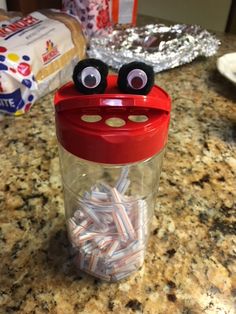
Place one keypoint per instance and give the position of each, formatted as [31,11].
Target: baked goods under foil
[163,47]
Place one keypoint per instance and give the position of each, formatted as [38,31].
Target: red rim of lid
[100,142]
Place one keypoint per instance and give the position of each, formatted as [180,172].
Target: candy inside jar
[109,230]
[108,212]
[112,133]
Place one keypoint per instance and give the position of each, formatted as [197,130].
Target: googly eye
[136,78]
[90,76]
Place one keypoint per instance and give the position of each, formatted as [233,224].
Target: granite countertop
[190,265]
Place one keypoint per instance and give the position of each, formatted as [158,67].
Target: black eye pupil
[136,82]
[90,80]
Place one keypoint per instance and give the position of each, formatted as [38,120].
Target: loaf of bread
[78,39]
[6,15]
[38,53]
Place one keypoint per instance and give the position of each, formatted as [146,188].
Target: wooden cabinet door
[26,6]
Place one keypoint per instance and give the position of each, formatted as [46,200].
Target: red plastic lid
[112,128]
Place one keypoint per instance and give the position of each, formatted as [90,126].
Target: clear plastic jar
[108,212]
[111,148]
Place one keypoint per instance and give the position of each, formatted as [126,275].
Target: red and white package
[124,12]
[98,16]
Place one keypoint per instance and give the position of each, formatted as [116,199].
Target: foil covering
[163,47]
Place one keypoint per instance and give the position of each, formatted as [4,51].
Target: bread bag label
[27,46]
[8,101]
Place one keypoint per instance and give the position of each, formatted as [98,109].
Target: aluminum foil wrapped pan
[163,47]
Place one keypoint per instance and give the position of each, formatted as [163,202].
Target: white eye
[137,79]
[90,77]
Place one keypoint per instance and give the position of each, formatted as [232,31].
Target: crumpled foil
[163,47]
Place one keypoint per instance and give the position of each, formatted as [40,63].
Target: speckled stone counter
[190,266]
